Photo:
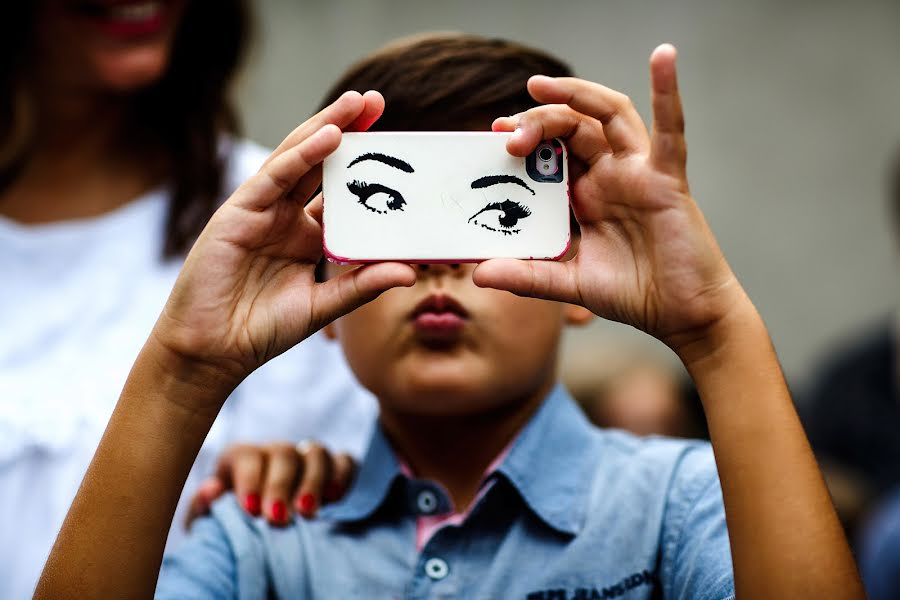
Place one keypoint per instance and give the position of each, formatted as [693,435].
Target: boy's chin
[442,397]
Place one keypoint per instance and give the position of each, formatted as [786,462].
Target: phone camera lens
[545,154]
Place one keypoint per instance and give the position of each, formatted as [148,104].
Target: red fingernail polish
[279,511]
[251,503]
[307,503]
[333,491]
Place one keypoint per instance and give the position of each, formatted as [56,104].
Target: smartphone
[427,197]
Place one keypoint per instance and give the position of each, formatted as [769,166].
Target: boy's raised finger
[624,129]
[668,151]
[282,175]
[583,135]
[343,112]
[371,112]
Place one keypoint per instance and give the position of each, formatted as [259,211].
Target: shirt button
[436,568]
[426,502]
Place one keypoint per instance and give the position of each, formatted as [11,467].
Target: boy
[483,479]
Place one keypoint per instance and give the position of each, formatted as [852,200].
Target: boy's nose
[439,270]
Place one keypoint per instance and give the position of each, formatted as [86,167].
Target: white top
[77,301]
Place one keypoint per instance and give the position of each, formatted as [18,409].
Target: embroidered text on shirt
[614,591]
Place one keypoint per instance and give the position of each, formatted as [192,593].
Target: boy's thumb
[342,294]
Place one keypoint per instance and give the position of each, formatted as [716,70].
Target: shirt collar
[548,464]
[377,473]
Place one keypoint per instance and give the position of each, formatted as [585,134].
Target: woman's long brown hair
[185,114]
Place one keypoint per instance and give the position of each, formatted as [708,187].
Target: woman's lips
[128,19]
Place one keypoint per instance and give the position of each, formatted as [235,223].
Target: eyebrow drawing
[384,158]
[490,180]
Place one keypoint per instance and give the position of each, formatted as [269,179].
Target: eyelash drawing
[511,214]
[364,191]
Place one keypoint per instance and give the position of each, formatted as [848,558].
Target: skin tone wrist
[702,347]
[176,377]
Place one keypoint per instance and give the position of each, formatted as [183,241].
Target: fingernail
[279,511]
[307,504]
[333,491]
[251,503]
[517,134]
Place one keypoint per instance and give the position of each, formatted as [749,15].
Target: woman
[117,142]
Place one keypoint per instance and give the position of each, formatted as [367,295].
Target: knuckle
[278,482]
[238,450]
[343,467]
[316,451]
[248,459]
[282,183]
[280,449]
[623,100]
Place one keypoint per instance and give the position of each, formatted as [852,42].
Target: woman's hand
[247,291]
[646,256]
[276,480]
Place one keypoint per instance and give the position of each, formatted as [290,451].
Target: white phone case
[439,197]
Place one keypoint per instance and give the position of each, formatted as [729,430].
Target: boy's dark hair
[447,82]
[183,114]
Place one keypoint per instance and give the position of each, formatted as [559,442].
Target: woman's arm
[246,294]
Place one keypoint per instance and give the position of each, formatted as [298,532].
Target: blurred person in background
[851,410]
[879,549]
[645,397]
[118,140]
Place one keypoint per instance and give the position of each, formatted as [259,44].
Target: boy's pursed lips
[439,317]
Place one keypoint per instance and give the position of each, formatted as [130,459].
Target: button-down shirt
[573,513]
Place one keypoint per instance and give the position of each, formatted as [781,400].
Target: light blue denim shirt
[575,513]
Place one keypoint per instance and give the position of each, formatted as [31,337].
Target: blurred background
[791,112]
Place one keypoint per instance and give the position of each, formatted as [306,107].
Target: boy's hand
[247,291]
[646,255]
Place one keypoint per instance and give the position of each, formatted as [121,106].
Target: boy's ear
[577,315]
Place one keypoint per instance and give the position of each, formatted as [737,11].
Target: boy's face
[447,347]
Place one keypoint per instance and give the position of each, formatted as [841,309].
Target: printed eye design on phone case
[501,217]
[507,214]
[376,197]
